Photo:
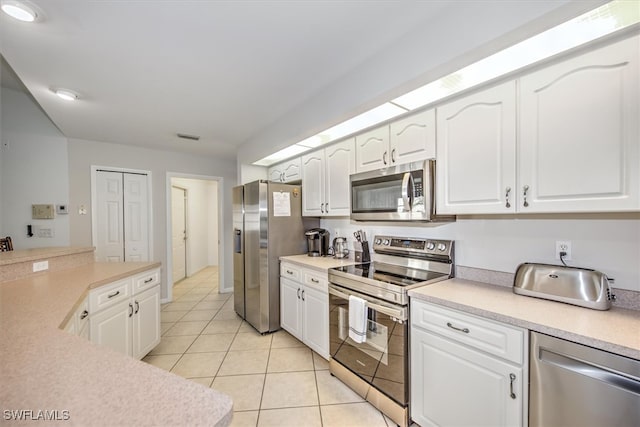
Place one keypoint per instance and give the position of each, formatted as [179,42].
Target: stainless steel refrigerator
[267,224]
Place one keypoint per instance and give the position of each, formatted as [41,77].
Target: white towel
[357,319]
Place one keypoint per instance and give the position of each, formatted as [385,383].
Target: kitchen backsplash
[608,242]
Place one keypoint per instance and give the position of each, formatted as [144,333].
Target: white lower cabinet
[130,325]
[466,370]
[304,306]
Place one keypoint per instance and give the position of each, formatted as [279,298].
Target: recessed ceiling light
[19,11]
[66,94]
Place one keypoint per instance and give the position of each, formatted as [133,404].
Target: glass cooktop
[388,273]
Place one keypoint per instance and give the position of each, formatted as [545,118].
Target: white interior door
[121,216]
[179,232]
[136,226]
[110,217]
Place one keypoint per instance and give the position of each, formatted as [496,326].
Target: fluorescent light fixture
[66,94]
[376,115]
[19,11]
[285,153]
[587,27]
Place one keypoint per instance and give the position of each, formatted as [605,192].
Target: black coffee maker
[317,242]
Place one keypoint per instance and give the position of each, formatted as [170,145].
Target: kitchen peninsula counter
[616,330]
[43,368]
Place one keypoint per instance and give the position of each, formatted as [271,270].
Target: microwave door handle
[407,191]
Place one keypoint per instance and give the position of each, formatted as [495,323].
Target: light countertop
[45,368]
[616,330]
[24,255]
[317,262]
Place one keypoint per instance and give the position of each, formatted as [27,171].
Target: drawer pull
[113,294]
[315,280]
[289,272]
[84,314]
[512,377]
[150,279]
[465,330]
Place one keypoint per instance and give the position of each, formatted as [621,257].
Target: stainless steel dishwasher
[576,385]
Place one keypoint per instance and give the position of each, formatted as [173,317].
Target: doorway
[179,232]
[193,228]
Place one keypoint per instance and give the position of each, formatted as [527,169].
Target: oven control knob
[386,242]
[378,241]
[431,246]
[442,247]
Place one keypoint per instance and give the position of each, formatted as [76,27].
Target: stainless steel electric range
[378,368]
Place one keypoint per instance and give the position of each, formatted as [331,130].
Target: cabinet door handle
[130,309]
[137,307]
[298,293]
[84,314]
[384,157]
[393,155]
[289,272]
[282,177]
[303,295]
[326,208]
[465,330]
[322,207]
[512,378]
[525,189]
[113,294]
[507,191]
[315,280]
[148,280]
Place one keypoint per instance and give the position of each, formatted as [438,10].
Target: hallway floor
[274,379]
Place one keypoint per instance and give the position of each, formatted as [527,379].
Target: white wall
[33,170]
[83,154]
[202,222]
[606,242]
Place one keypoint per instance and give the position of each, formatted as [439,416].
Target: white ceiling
[224,70]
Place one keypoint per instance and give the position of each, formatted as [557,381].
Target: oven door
[383,359]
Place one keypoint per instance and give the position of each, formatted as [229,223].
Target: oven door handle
[393,312]
[407,191]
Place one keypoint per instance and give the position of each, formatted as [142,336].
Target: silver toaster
[572,285]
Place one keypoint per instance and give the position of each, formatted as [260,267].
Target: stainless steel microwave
[397,193]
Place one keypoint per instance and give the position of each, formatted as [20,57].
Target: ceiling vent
[189,137]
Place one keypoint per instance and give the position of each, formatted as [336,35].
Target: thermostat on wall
[42,211]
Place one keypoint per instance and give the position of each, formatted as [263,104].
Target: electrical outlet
[563,246]
[40,266]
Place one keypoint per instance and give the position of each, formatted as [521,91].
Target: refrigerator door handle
[237,241]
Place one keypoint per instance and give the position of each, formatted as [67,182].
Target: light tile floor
[274,379]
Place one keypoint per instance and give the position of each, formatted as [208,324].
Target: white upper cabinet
[579,138]
[340,162]
[288,171]
[372,149]
[410,139]
[325,179]
[476,146]
[413,138]
[313,172]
